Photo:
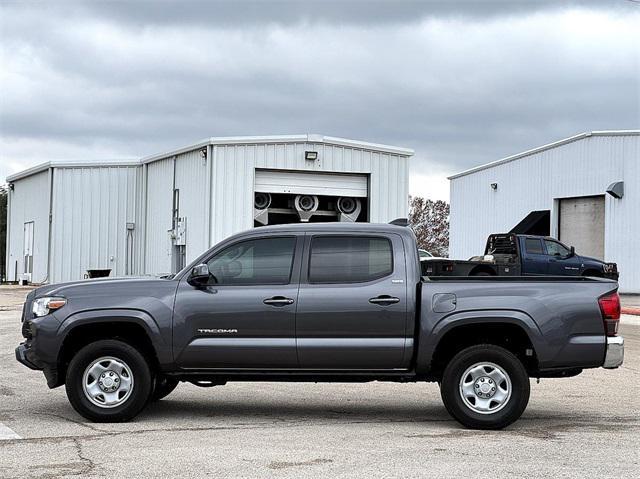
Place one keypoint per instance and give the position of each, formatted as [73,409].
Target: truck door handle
[278,301]
[384,300]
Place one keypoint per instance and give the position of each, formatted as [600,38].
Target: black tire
[452,395]
[164,386]
[139,391]
[481,273]
[593,274]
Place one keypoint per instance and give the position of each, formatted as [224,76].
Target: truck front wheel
[485,387]
[108,381]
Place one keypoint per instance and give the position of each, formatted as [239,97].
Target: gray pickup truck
[318,302]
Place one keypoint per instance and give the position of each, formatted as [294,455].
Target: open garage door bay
[303,196]
[582,224]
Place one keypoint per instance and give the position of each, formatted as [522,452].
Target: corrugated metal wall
[159,204]
[91,207]
[234,171]
[93,204]
[582,168]
[191,180]
[29,201]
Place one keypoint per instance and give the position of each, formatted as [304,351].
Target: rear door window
[349,259]
[533,246]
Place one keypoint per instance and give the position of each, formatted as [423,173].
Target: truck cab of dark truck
[510,254]
[318,302]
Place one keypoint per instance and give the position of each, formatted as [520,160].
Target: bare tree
[430,222]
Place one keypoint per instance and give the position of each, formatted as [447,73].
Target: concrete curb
[633,311]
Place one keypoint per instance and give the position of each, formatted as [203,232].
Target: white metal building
[559,189]
[156,214]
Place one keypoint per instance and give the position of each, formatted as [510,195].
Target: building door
[582,225]
[28,250]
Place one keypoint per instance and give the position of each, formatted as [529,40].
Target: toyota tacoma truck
[318,302]
[510,254]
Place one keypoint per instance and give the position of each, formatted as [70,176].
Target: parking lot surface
[588,426]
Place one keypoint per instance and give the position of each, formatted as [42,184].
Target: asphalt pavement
[587,426]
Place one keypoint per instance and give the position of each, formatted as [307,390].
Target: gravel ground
[588,426]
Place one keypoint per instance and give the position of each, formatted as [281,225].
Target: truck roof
[519,235]
[332,226]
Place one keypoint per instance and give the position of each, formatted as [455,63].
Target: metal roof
[69,164]
[279,139]
[549,146]
[228,140]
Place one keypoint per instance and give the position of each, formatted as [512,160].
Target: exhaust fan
[349,208]
[306,206]
[261,203]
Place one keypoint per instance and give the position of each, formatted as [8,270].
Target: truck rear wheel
[108,381]
[485,387]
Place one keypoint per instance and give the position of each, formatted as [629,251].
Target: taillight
[610,308]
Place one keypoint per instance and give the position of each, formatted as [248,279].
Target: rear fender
[464,318]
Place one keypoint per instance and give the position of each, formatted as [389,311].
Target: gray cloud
[461,82]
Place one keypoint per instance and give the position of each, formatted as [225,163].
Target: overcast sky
[462,83]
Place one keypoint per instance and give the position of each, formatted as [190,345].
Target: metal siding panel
[29,202]
[159,202]
[582,168]
[388,185]
[90,210]
[191,180]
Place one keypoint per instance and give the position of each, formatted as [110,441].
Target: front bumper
[615,352]
[21,356]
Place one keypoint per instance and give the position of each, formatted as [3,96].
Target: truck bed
[564,324]
[519,279]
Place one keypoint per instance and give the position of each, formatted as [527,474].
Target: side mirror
[573,252]
[199,276]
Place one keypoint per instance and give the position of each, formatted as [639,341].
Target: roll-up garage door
[311,183]
[582,225]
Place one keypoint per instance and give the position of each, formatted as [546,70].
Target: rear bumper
[615,352]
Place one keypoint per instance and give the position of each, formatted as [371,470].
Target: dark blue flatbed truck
[511,254]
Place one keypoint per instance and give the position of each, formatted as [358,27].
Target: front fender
[160,337]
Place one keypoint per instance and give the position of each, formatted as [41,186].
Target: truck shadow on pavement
[294,412]
[536,424]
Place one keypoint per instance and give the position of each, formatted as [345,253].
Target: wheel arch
[593,273]
[513,330]
[483,269]
[133,327]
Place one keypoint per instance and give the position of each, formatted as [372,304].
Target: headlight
[44,306]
